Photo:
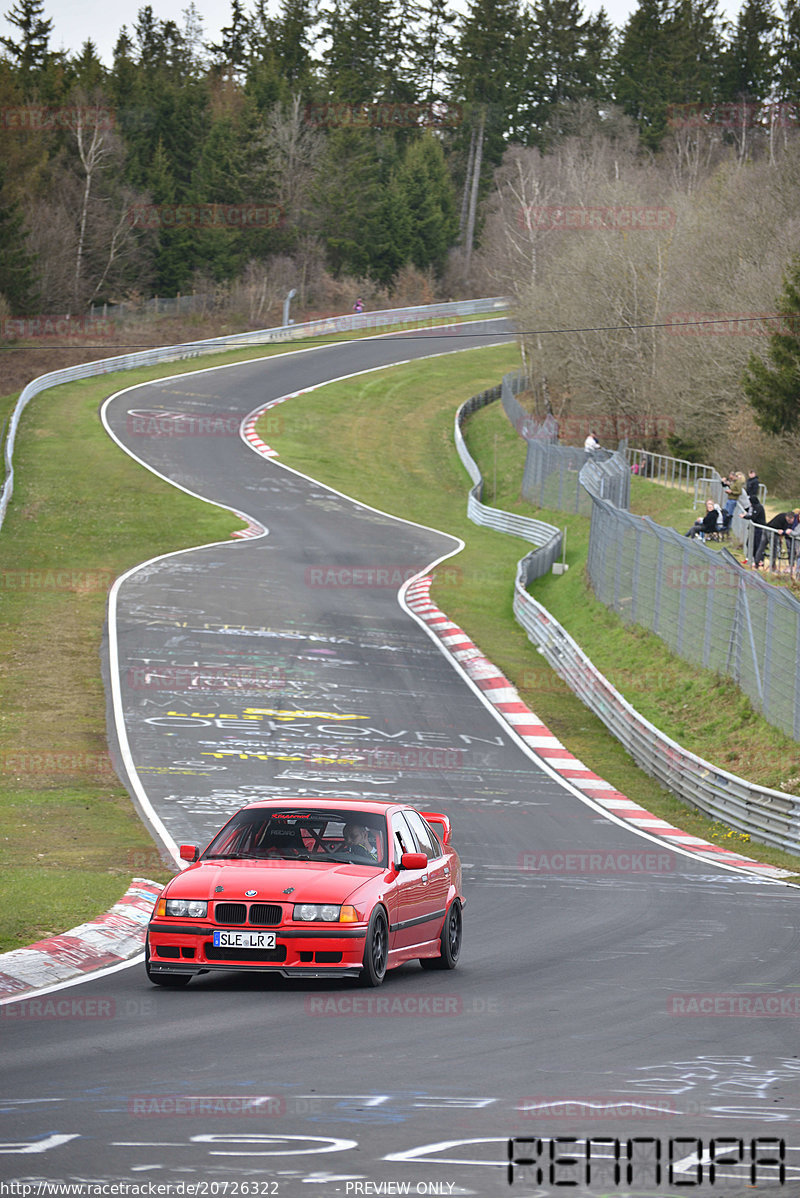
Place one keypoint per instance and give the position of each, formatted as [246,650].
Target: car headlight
[316,912]
[191,908]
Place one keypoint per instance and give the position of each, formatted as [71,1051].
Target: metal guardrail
[356,322]
[779,551]
[526,425]
[672,472]
[770,815]
[546,537]
[697,479]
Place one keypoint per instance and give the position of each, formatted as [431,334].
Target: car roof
[371,806]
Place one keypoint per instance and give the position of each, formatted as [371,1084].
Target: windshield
[302,835]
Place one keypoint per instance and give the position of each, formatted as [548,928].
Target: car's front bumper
[299,952]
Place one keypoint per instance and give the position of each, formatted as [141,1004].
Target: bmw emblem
[250,893]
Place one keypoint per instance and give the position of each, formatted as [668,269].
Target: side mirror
[189,852]
[414,861]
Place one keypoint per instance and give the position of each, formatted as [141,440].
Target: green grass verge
[387,439]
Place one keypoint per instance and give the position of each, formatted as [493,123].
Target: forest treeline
[357,137]
[637,185]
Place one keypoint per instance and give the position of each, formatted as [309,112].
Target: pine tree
[430,203]
[488,75]
[568,59]
[773,391]
[788,50]
[489,55]
[149,40]
[86,70]
[232,48]
[347,199]
[175,253]
[17,263]
[668,54]
[749,62]
[30,50]
[432,45]
[295,39]
[357,62]
[391,240]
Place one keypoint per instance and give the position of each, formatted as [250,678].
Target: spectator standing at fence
[707,524]
[358,306]
[759,519]
[734,488]
[751,487]
[784,524]
[591,443]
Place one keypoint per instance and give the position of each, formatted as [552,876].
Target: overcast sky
[76,20]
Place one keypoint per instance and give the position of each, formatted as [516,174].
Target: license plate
[244,940]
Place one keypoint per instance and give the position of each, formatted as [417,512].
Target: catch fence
[700,602]
[551,478]
[770,815]
[546,537]
[712,613]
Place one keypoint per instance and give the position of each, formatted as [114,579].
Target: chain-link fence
[551,478]
[699,601]
[674,579]
[546,537]
[702,604]
[523,421]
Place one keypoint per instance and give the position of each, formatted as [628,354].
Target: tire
[172,980]
[449,941]
[376,950]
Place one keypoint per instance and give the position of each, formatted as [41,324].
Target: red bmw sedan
[313,888]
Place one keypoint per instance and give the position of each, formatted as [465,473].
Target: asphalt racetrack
[259,668]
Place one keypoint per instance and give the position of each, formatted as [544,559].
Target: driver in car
[356,837]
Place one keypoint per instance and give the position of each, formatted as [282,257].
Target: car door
[438,872]
[411,889]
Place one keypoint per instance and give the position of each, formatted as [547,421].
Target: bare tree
[97,146]
[293,149]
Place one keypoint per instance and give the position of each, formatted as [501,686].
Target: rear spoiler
[439,823]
